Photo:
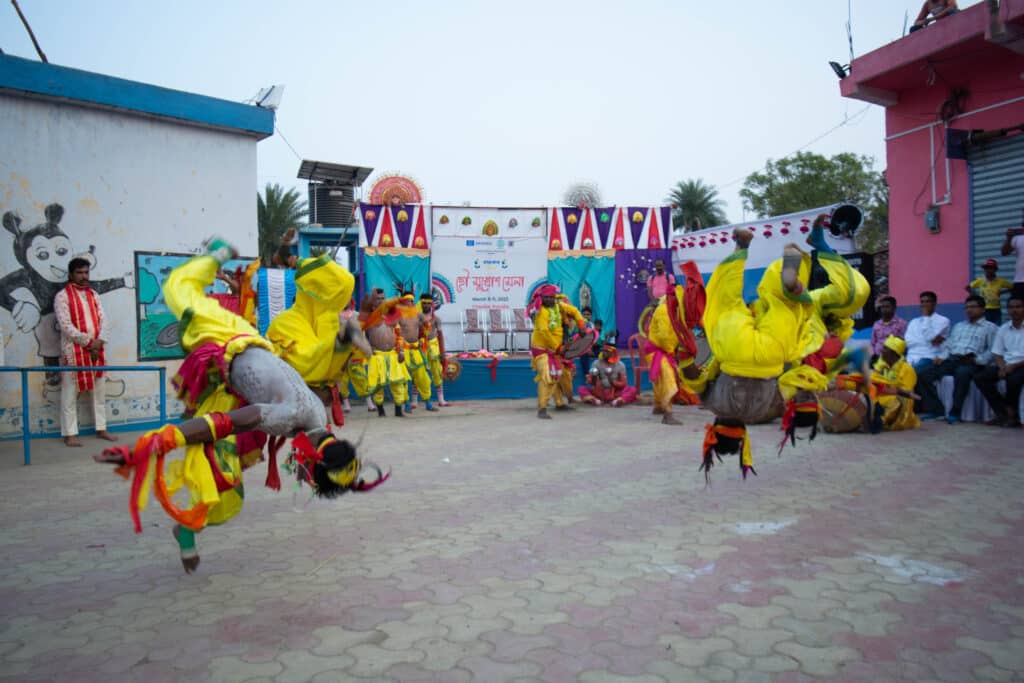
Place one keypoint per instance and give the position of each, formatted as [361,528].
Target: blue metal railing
[26,436]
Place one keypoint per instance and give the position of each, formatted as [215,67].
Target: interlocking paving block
[581,549]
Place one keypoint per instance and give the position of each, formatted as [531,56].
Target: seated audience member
[888,324]
[606,382]
[933,10]
[991,288]
[966,353]
[925,334]
[1008,353]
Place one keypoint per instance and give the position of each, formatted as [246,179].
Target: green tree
[696,205]
[276,211]
[806,180]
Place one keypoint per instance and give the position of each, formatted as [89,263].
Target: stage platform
[511,377]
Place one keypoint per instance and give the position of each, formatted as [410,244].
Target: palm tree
[696,205]
[277,211]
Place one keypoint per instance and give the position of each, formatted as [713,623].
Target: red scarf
[86,380]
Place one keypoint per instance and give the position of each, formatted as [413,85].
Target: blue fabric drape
[598,272]
[390,272]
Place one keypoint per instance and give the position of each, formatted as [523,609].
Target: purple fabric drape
[403,228]
[631,294]
[571,227]
[604,225]
[371,215]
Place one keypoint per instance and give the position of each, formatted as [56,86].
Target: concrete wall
[126,183]
[940,262]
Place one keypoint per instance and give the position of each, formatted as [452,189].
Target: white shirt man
[926,333]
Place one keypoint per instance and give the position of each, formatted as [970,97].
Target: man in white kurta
[83,334]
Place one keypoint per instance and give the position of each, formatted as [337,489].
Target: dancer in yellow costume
[893,371]
[434,336]
[386,367]
[306,335]
[563,385]
[411,321]
[237,386]
[354,350]
[670,336]
[546,346]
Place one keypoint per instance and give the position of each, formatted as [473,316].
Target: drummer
[546,344]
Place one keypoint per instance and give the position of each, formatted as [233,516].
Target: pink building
[953,94]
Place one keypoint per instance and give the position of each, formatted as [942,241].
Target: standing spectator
[83,334]
[658,284]
[966,353]
[933,10]
[1014,244]
[1008,352]
[888,324]
[991,288]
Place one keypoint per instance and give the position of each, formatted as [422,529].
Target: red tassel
[337,414]
[273,477]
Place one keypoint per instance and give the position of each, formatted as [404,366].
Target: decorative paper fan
[535,222]
[512,222]
[370,214]
[444,219]
[396,185]
[466,220]
[490,229]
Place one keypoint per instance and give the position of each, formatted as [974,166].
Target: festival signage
[485,258]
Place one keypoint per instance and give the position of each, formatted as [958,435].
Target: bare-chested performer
[386,367]
[412,322]
[434,336]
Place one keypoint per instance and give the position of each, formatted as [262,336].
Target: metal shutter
[997,199]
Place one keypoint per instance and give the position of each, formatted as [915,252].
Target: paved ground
[505,548]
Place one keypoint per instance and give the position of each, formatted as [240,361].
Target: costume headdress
[895,344]
[332,468]
[718,439]
[804,414]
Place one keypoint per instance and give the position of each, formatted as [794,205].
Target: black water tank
[331,205]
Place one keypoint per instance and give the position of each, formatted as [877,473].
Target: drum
[579,344]
[842,411]
[751,400]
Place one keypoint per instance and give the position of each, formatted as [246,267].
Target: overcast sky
[503,104]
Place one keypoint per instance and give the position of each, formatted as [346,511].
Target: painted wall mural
[157,328]
[42,253]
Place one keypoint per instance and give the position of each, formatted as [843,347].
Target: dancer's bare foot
[111,456]
[543,414]
[792,255]
[72,442]
[667,419]
[657,410]
[742,238]
[565,408]
[106,436]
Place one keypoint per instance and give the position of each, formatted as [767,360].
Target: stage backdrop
[484,258]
